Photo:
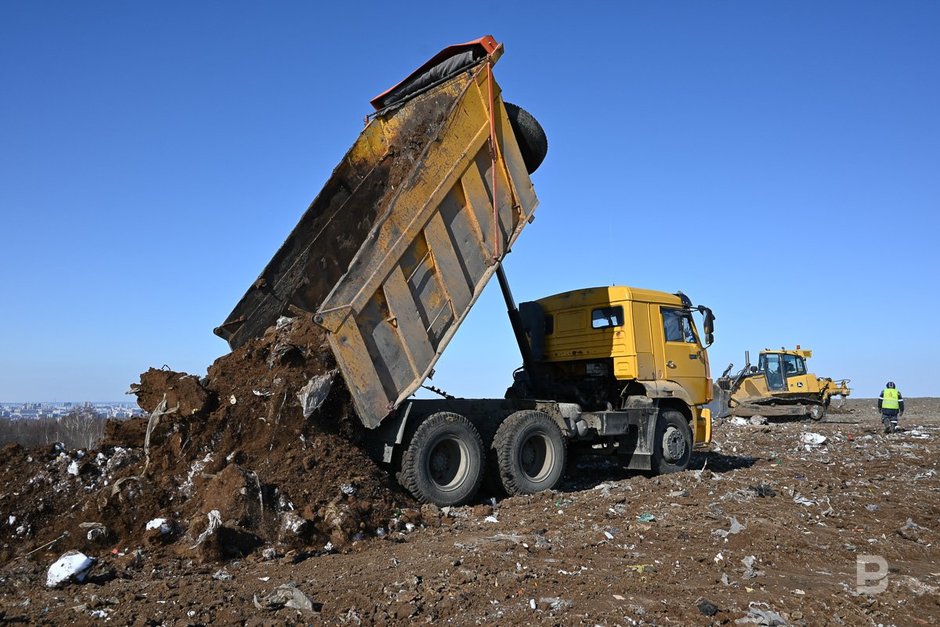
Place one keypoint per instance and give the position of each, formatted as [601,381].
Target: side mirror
[709,322]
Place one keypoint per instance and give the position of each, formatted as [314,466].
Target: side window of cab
[606,317]
[677,326]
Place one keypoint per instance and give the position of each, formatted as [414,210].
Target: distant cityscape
[26,411]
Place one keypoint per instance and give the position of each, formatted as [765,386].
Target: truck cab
[601,347]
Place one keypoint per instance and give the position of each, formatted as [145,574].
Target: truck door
[685,360]
[771,365]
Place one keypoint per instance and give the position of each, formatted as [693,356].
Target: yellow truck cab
[604,346]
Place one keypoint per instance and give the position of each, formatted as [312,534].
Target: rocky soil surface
[769,526]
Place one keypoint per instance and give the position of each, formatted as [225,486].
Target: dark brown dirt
[609,547]
[236,442]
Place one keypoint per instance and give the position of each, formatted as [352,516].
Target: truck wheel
[531,451]
[672,443]
[444,461]
[533,143]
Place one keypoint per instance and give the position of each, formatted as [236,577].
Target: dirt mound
[229,461]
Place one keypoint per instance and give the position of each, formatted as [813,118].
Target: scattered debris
[735,528]
[812,440]
[159,524]
[761,614]
[286,595]
[707,608]
[312,395]
[763,490]
[749,571]
[71,566]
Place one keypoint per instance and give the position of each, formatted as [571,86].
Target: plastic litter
[215,521]
[161,524]
[312,395]
[813,439]
[749,571]
[763,490]
[646,518]
[735,528]
[72,566]
[555,604]
[286,595]
[222,575]
[707,608]
[757,615]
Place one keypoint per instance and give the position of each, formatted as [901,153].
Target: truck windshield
[677,326]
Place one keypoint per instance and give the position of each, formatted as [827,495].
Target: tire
[672,443]
[533,143]
[444,461]
[531,453]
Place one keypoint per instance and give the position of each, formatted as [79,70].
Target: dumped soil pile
[230,463]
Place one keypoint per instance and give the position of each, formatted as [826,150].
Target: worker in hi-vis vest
[891,405]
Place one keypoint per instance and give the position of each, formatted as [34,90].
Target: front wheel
[444,461]
[672,443]
[816,412]
[531,452]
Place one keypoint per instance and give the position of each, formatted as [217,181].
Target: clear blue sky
[778,161]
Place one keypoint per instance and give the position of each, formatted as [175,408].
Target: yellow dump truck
[395,250]
[780,385]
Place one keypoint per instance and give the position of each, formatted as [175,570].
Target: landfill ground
[767,527]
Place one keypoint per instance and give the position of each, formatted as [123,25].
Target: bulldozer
[779,386]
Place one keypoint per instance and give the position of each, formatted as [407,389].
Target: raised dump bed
[402,239]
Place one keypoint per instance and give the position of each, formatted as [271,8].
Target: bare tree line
[79,429]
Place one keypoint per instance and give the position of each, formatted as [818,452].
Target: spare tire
[530,136]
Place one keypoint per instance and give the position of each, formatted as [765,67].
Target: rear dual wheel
[444,461]
[531,452]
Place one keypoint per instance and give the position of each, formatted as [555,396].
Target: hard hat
[890,384]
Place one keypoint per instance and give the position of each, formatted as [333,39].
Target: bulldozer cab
[784,371]
[779,385]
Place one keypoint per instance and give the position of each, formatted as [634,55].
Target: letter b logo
[871,574]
